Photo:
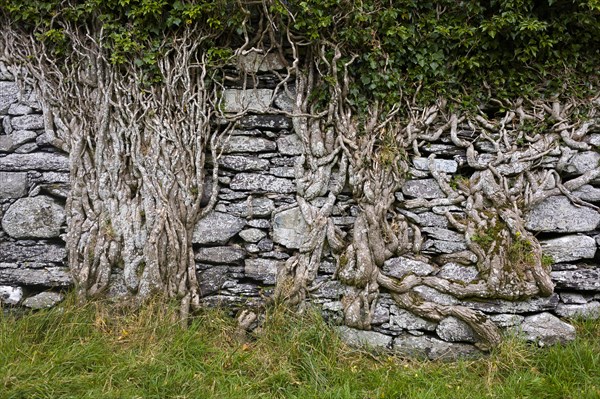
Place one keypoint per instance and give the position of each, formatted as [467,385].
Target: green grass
[98,351]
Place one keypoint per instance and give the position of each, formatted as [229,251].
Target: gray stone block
[13,184]
[558,214]
[27,254]
[400,266]
[248,144]
[217,228]
[264,270]
[48,277]
[452,329]
[289,228]
[262,183]
[28,122]
[43,300]
[569,248]
[220,255]
[584,279]
[241,163]
[43,161]
[546,329]
[38,217]
[590,310]
[290,145]
[364,339]
[432,348]
[255,100]
[424,188]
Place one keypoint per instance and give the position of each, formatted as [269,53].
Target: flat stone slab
[423,188]
[255,100]
[502,306]
[558,214]
[248,144]
[242,163]
[569,248]
[262,183]
[41,253]
[48,277]
[441,165]
[401,319]
[220,255]
[44,161]
[584,279]
[289,228]
[38,217]
[217,228]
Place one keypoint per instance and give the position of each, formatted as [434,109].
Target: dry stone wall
[256,225]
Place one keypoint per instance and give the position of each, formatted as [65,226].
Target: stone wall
[256,225]
[34,184]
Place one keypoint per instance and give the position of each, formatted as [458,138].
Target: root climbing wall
[257,225]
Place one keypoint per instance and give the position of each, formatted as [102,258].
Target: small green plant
[547,260]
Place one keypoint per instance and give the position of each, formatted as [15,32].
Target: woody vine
[144,133]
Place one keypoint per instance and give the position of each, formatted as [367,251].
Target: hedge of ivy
[466,50]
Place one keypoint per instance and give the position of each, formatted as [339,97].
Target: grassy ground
[95,351]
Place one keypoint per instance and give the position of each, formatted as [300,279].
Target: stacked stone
[34,183]
[256,225]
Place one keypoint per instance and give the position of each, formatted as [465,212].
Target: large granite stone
[38,217]
[558,214]
[248,144]
[264,270]
[400,266]
[255,100]
[584,279]
[423,188]
[36,161]
[217,228]
[43,300]
[13,184]
[241,163]
[546,329]
[587,193]
[433,348]
[48,277]
[262,183]
[364,339]
[252,235]
[569,248]
[289,228]
[220,255]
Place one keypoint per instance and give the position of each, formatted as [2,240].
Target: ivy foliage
[417,48]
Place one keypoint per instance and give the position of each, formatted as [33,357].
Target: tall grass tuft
[99,350]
